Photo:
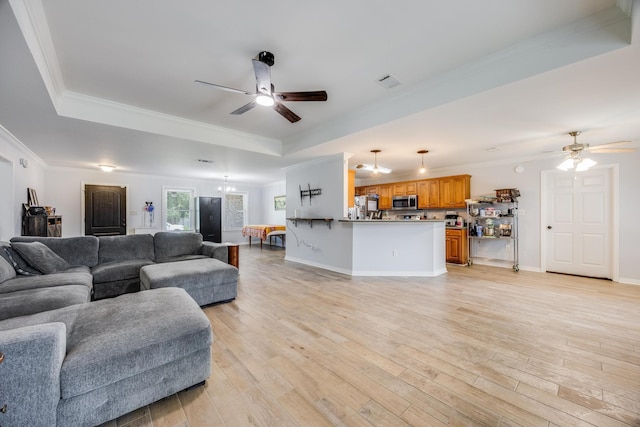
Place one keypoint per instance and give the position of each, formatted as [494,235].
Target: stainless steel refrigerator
[209,218]
[364,206]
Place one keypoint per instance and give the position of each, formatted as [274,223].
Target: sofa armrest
[215,250]
[30,374]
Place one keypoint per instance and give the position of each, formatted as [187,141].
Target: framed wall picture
[280,203]
[32,197]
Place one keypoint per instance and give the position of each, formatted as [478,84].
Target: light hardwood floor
[478,346]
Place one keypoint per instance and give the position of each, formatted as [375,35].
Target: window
[178,212]
[235,211]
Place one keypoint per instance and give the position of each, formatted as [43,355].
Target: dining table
[261,231]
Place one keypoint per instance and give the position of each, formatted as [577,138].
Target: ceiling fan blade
[318,95]
[286,113]
[606,150]
[263,76]
[244,108]
[230,89]
[607,145]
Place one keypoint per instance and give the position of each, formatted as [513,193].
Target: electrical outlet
[520,212]
[395,252]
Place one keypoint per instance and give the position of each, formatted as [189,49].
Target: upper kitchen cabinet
[454,190]
[405,188]
[428,194]
[384,197]
[372,189]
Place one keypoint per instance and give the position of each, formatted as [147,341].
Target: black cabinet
[209,218]
[42,225]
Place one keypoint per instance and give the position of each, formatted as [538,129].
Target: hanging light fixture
[375,162]
[575,159]
[422,169]
[226,187]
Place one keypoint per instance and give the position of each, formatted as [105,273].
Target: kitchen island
[397,247]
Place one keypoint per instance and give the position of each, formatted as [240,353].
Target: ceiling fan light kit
[265,100]
[265,91]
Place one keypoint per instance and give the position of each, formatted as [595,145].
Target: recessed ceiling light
[107,168]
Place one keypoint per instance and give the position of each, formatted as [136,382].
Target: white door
[579,227]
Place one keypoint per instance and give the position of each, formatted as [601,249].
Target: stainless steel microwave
[404,202]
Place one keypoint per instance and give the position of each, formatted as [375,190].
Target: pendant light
[226,188]
[422,169]
[375,162]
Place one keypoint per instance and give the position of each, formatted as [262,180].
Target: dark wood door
[105,210]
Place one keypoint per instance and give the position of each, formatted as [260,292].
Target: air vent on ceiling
[388,81]
[204,160]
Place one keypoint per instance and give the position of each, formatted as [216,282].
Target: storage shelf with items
[492,228]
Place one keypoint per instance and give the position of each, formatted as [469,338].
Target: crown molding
[18,145]
[78,106]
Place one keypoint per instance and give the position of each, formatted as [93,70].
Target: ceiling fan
[574,152]
[265,91]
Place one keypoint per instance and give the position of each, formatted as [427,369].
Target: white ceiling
[84,83]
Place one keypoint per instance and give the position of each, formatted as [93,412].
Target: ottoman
[206,280]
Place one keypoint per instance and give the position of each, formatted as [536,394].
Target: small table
[260,231]
[234,254]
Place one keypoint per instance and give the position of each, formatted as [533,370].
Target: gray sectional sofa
[80,346]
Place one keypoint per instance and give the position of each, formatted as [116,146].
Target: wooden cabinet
[399,189]
[372,189]
[448,192]
[429,194]
[384,197]
[405,188]
[456,245]
[454,190]
[42,225]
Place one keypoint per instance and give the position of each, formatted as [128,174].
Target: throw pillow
[39,255]
[19,264]
[6,270]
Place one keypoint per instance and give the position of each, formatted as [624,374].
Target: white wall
[15,181]
[270,215]
[64,191]
[319,245]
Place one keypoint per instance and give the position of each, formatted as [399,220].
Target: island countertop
[386,221]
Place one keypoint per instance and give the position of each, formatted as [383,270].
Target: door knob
[549,227]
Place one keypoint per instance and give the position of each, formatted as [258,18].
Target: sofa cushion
[21,266]
[41,257]
[82,250]
[120,248]
[118,270]
[6,270]
[73,276]
[170,244]
[31,301]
